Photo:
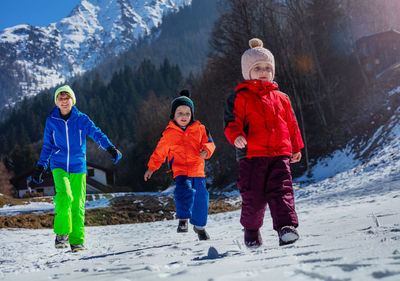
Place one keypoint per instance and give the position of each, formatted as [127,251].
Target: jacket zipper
[80,137]
[264,118]
[66,130]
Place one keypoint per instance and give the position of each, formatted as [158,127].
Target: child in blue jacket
[64,144]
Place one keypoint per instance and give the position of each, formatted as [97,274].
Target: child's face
[64,102]
[262,71]
[182,115]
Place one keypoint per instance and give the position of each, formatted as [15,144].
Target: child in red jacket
[260,123]
[186,143]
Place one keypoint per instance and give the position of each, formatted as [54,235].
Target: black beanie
[184,99]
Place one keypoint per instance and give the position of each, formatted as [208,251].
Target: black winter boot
[77,247]
[183,226]
[202,233]
[61,241]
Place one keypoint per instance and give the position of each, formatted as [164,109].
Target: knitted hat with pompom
[256,54]
[184,99]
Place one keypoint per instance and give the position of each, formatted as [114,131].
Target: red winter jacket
[264,116]
[183,149]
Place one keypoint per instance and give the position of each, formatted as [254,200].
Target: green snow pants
[70,205]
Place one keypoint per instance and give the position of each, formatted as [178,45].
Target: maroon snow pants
[262,181]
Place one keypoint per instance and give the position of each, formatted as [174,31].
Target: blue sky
[34,12]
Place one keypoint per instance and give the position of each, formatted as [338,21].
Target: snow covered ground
[350,230]
[97,201]
[342,238]
[349,226]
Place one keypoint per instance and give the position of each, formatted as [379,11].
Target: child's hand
[203,153]
[147,174]
[37,174]
[240,142]
[295,157]
[116,155]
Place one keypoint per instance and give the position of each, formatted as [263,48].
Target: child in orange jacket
[186,143]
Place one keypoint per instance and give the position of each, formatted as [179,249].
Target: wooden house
[98,180]
[379,52]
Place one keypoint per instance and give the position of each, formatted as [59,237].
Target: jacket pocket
[80,137]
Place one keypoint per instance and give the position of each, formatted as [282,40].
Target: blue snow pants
[191,199]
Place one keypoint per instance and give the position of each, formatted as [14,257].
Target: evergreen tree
[3,144]
[23,159]
[330,40]
[113,106]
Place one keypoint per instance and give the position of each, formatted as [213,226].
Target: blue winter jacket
[65,141]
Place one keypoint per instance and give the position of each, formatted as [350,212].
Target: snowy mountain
[35,58]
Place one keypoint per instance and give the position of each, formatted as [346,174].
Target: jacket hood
[173,125]
[55,112]
[256,86]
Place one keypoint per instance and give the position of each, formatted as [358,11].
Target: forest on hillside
[316,65]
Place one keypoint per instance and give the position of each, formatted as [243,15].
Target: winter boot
[61,241]
[183,226]
[77,247]
[202,233]
[287,235]
[252,238]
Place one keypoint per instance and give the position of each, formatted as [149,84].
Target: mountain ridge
[36,58]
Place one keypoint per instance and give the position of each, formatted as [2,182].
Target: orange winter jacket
[183,149]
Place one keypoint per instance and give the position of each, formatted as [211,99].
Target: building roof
[377,35]
[99,186]
[94,165]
